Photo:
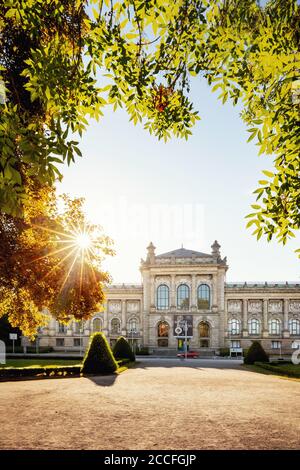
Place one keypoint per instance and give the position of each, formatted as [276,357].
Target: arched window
[163,334]
[97,325]
[274,327]
[294,326]
[115,326]
[162,297]
[203,297]
[254,326]
[183,297]
[133,325]
[234,326]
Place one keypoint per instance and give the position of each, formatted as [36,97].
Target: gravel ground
[162,404]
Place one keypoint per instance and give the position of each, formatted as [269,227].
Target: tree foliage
[63,61]
[42,267]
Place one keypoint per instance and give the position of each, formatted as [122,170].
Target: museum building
[184,296]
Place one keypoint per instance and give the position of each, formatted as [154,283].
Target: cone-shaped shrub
[122,349]
[256,353]
[99,357]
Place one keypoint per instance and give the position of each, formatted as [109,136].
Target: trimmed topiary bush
[122,349]
[99,357]
[256,353]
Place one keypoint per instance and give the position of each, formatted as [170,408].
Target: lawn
[39,362]
[288,370]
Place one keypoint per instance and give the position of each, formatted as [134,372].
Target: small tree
[122,349]
[256,353]
[99,357]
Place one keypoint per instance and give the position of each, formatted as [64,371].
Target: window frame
[180,299]
[160,300]
[201,298]
[236,331]
[272,330]
[294,330]
[256,329]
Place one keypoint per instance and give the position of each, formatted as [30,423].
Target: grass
[27,363]
[286,370]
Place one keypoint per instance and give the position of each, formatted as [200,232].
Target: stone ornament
[162,280]
[294,306]
[255,306]
[275,306]
[235,306]
[114,307]
[133,306]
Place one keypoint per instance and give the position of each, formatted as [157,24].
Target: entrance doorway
[204,334]
[180,344]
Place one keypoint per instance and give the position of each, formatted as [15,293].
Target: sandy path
[153,407]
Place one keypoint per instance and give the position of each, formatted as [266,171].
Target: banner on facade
[179,325]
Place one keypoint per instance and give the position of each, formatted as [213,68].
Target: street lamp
[185,338]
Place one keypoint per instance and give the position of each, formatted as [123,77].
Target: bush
[224,352]
[99,357]
[256,353]
[142,351]
[122,349]
[47,371]
[288,369]
[29,349]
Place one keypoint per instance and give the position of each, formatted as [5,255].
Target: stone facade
[184,293]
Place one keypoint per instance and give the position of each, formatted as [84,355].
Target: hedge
[47,371]
[29,349]
[142,351]
[122,349]
[99,358]
[279,370]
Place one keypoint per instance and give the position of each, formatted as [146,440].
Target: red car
[189,354]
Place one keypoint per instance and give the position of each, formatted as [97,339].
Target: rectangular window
[235,344]
[77,342]
[62,328]
[276,344]
[60,342]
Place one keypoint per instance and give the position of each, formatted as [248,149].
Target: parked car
[189,354]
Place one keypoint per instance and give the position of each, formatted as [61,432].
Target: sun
[83,241]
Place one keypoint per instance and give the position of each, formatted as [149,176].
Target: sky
[177,193]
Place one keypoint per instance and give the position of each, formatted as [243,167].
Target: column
[173,293]
[286,333]
[215,291]
[105,318]
[152,291]
[123,317]
[245,318]
[265,332]
[193,293]
[87,327]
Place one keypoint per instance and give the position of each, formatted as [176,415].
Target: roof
[184,253]
[263,285]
